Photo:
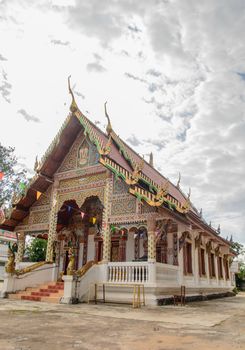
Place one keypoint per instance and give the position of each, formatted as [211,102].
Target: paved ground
[217,324]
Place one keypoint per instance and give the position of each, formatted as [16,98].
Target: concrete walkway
[217,324]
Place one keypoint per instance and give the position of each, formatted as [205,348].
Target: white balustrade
[128,272]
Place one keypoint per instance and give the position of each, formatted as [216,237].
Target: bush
[36,249]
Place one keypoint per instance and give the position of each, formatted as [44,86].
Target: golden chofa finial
[36,164]
[178,183]
[151,159]
[73,106]
[109,127]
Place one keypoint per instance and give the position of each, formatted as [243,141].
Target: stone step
[40,294]
[47,290]
[31,298]
[31,289]
[13,296]
[60,287]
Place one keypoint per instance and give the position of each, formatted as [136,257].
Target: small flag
[82,214]
[1,175]
[157,233]
[38,194]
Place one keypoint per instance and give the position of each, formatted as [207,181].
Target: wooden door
[115,251]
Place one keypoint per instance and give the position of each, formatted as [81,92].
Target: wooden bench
[137,289]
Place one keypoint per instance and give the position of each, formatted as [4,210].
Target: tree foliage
[36,249]
[12,175]
[238,248]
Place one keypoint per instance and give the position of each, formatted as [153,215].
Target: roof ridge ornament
[73,106]
[36,165]
[151,160]
[135,176]
[109,126]
[105,150]
[162,191]
[178,183]
[187,204]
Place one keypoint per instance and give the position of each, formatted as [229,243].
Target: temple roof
[144,181]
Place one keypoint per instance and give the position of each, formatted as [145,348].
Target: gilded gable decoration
[83,154]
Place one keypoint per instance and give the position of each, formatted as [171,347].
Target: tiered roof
[144,181]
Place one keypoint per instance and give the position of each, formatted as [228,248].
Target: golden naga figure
[10,265]
[134,177]
[71,264]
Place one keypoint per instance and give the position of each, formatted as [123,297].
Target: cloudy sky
[172,71]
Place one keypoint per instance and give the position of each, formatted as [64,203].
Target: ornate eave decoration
[198,241]
[182,239]
[134,177]
[217,251]
[208,247]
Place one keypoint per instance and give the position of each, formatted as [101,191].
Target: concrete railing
[128,272]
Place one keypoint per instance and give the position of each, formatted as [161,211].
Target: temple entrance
[79,233]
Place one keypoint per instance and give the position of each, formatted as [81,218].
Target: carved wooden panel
[39,217]
[80,196]
[119,186]
[125,206]
[80,181]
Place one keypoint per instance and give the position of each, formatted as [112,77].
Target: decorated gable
[81,154]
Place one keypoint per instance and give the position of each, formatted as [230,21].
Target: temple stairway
[49,293]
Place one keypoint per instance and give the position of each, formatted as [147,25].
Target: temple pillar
[207,265]
[21,246]
[216,268]
[106,232]
[151,227]
[196,257]
[52,224]
[151,240]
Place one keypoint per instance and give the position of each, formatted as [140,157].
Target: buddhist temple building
[110,217]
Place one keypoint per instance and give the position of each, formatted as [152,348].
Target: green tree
[12,175]
[36,249]
[238,248]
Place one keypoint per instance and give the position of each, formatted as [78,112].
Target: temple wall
[91,248]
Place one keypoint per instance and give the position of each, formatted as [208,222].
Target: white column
[216,268]
[207,267]
[181,262]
